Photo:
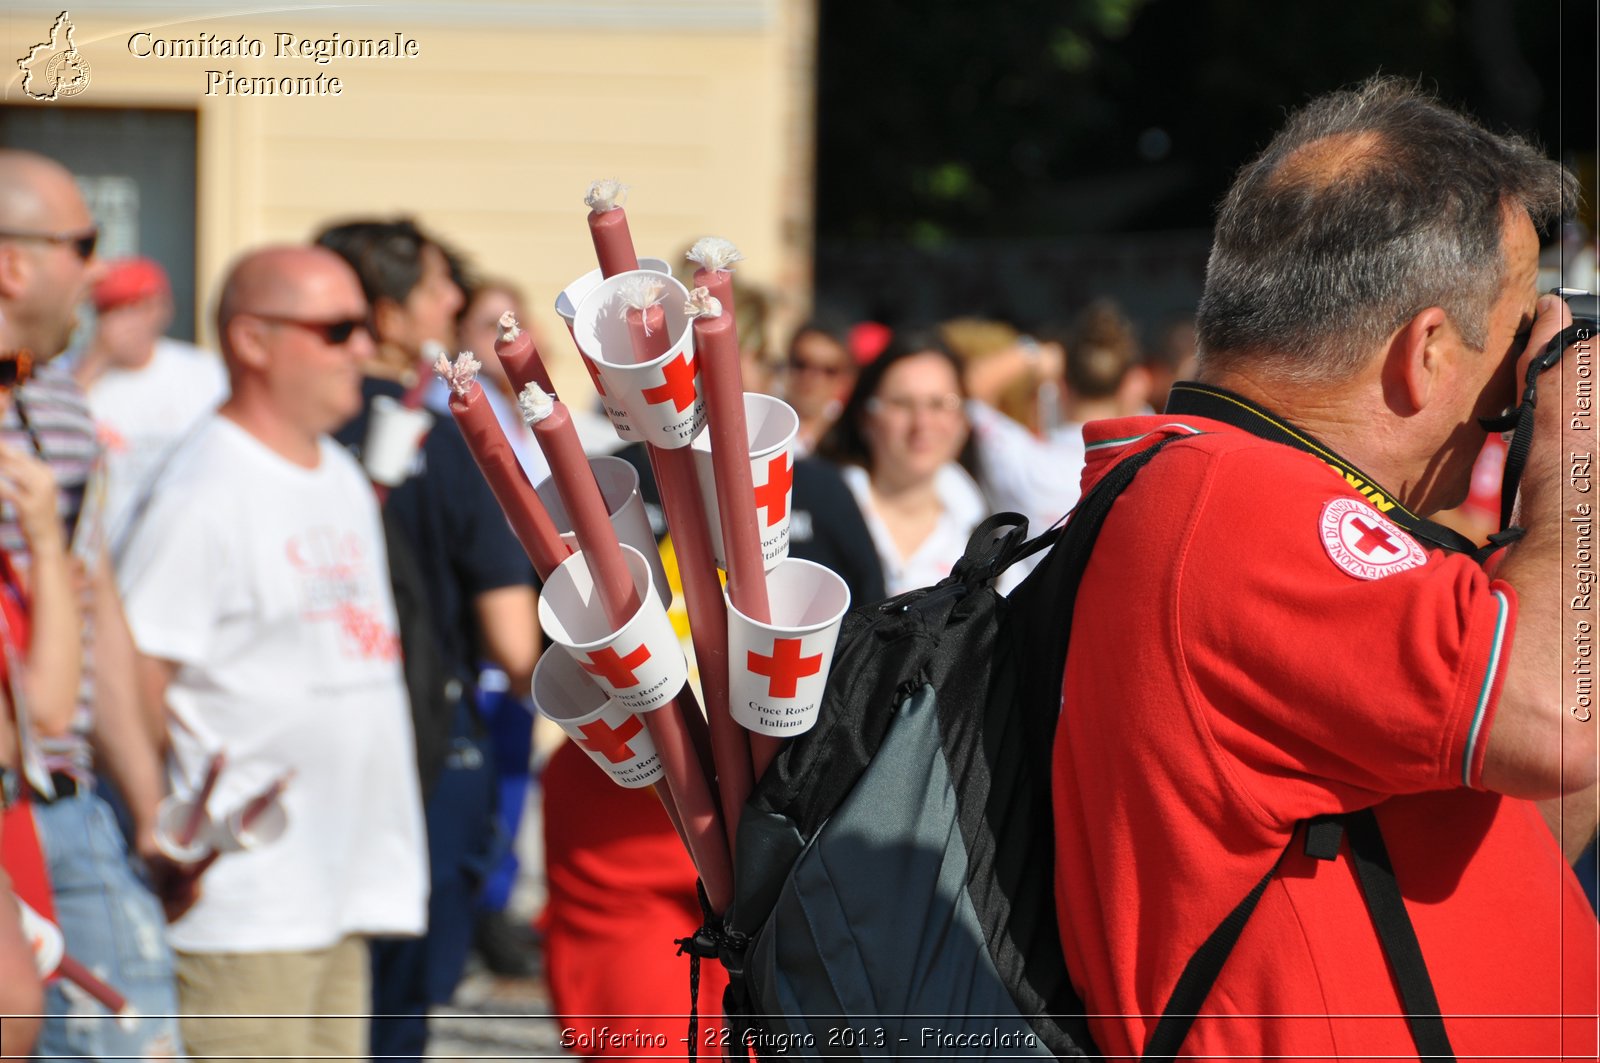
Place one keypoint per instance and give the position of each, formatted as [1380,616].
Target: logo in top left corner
[54,69]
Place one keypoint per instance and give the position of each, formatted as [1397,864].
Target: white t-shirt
[142,415]
[962,507]
[1038,478]
[268,584]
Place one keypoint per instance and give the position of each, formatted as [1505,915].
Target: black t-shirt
[825,524]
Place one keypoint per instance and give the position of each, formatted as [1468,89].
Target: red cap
[129,280]
[867,340]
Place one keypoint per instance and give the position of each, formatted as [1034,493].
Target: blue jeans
[115,927]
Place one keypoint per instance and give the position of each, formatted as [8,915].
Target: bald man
[257,588]
[109,918]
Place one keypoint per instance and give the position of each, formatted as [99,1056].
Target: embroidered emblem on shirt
[1365,544]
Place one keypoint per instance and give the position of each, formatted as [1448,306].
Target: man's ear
[1419,353]
[246,338]
[15,272]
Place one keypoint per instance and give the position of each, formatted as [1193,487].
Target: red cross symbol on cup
[599,737]
[1372,538]
[679,386]
[774,494]
[618,671]
[785,668]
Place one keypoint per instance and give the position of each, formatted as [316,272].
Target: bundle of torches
[660,381]
[619,669]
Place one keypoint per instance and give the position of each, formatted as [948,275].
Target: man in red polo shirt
[1308,644]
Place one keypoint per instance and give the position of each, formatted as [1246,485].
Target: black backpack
[894,890]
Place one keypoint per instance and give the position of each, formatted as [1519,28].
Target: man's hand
[29,486]
[176,886]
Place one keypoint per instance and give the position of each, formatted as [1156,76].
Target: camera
[1584,306]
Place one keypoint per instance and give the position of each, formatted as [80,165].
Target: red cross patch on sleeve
[1365,544]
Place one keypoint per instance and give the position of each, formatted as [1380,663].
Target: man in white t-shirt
[257,587]
[146,391]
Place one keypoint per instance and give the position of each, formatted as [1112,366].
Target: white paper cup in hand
[777,671]
[619,486]
[172,815]
[661,398]
[642,664]
[268,826]
[394,432]
[614,738]
[771,425]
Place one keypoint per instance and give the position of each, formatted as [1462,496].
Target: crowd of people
[203,595]
[237,586]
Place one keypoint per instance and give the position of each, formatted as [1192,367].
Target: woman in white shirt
[904,447]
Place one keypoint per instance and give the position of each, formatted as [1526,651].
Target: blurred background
[882,159]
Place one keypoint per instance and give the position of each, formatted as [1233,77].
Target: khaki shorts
[244,1005]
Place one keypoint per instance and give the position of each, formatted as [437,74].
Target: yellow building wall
[491,135]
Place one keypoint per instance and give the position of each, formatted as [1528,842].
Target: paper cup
[171,815]
[771,425]
[567,306]
[660,399]
[572,295]
[777,671]
[394,433]
[619,486]
[44,939]
[641,665]
[614,738]
[267,827]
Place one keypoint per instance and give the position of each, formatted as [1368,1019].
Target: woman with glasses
[907,456]
[817,377]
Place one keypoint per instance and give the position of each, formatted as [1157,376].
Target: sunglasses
[333,333]
[83,243]
[15,368]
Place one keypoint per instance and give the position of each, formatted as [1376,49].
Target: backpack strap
[1396,934]
[1370,858]
[1201,973]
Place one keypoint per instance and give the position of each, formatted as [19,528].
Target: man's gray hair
[1370,206]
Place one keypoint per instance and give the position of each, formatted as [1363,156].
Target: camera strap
[1219,404]
[1519,422]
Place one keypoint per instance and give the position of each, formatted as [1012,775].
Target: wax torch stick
[258,805]
[197,808]
[432,351]
[492,451]
[598,546]
[715,257]
[519,356]
[717,347]
[608,227]
[678,484]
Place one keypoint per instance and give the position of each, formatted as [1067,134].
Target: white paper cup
[660,398]
[614,738]
[777,671]
[171,815]
[44,939]
[572,295]
[771,425]
[619,486]
[394,433]
[641,665]
[267,827]
[567,306]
